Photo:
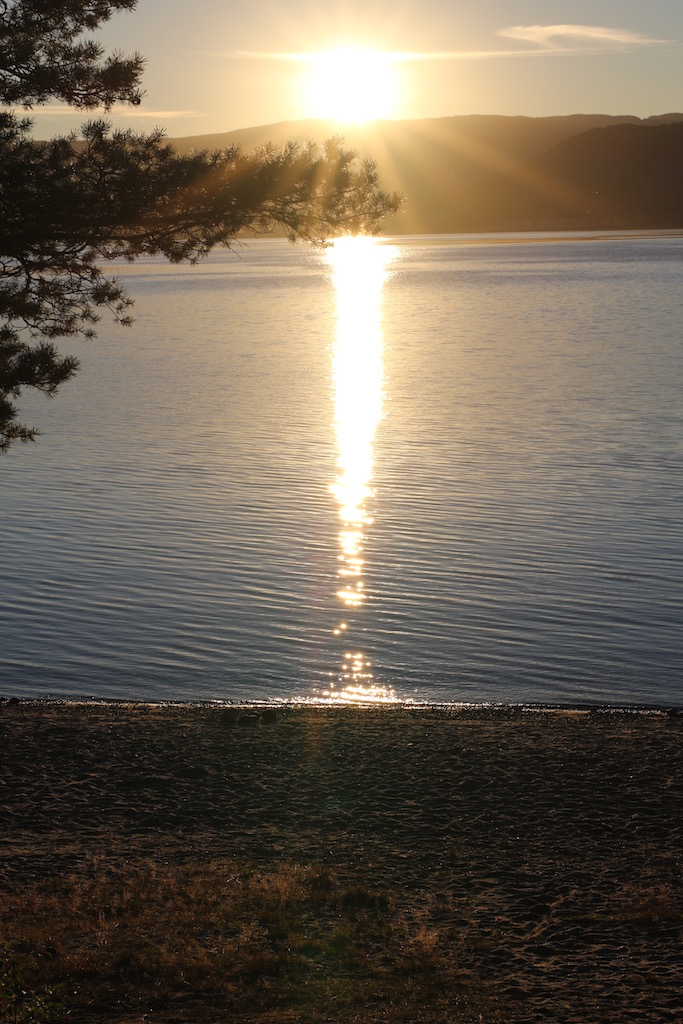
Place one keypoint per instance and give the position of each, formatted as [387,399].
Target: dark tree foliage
[43,57]
[69,204]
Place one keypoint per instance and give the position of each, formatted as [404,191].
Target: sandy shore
[535,858]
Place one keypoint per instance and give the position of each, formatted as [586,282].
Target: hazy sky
[216,65]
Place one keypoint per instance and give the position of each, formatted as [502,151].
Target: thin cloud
[166,114]
[554,36]
[387,56]
[63,110]
[542,40]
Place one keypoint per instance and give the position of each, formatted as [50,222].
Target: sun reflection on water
[359,268]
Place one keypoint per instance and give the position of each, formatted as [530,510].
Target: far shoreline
[494,236]
[447,708]
[550,235]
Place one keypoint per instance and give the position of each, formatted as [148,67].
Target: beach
[326,863]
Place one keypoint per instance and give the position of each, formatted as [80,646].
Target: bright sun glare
[351,85]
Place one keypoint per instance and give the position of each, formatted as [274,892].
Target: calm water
[443,471]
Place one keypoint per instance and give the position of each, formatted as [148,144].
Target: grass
[229,942]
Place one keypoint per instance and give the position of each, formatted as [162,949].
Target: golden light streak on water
[359,269]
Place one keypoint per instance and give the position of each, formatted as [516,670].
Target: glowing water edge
[359,269]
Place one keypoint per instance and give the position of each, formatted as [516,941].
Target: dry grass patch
[228,942]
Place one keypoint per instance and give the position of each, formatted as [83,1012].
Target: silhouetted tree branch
[42,56]
[69,204]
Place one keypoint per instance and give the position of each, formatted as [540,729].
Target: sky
[219,65]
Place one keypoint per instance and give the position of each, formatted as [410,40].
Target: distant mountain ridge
[494,173]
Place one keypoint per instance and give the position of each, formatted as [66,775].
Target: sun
[351,85]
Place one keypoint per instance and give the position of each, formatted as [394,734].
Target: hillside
[621,176]
[488,173]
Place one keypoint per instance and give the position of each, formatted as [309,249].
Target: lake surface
[425,469]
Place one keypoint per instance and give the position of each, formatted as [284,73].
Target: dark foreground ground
[339,864]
